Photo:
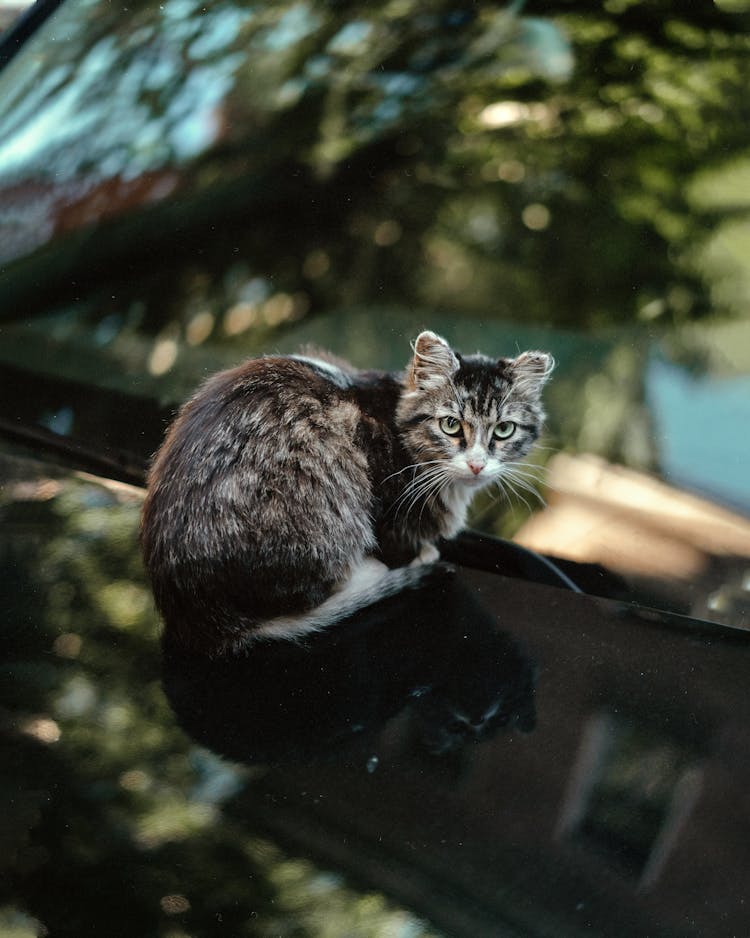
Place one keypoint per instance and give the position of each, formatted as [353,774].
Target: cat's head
[471,414]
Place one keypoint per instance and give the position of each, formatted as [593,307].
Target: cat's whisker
[431,496]
[529,467]
[518,495]
[417,488]
[498,484]
[423,489]
[521,476]
[529,479]
[538,474]
[527,471]
[414,465]
[426,475]
[426,491]
[509,485]
[530,482]
[516,482]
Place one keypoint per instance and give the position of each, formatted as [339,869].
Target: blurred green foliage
[563,163]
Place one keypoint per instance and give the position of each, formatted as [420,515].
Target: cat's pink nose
[476,467]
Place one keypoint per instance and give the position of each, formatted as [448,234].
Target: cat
[293,490]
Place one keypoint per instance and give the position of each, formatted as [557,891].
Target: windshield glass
[547,734]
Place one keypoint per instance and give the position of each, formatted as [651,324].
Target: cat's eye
[504,429]
[450,425]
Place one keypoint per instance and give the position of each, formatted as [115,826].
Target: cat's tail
[368,583]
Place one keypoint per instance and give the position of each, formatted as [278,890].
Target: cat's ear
[529,372]
[433,364]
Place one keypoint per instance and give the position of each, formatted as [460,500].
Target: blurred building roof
[643,528]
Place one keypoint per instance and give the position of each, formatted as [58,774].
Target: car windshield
[185,185]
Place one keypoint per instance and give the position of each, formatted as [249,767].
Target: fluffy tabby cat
[291,491]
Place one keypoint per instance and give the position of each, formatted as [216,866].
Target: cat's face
[467,419]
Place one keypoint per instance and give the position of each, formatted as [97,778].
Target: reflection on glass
[104,786]
[432,652]
[631,792]
[403,780]
[568,169]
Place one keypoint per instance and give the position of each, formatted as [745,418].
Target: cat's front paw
[428,554]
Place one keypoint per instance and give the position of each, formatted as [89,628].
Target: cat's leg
[365,574]
[428,554]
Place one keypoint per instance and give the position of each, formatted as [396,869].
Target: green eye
[450,425]
[504,429]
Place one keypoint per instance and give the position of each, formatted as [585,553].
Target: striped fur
[291,491]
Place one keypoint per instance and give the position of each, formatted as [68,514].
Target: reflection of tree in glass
[119,827]
[403,152]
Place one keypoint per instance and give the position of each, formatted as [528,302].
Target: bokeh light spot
[240,317]
[174,904]
[67,645]
[536,216]
[387,233]
[43,729]
[199,328]
[163,356]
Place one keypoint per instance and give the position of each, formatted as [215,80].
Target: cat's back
[268,452]
[269,417]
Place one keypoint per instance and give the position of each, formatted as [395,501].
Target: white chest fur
[456,498]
